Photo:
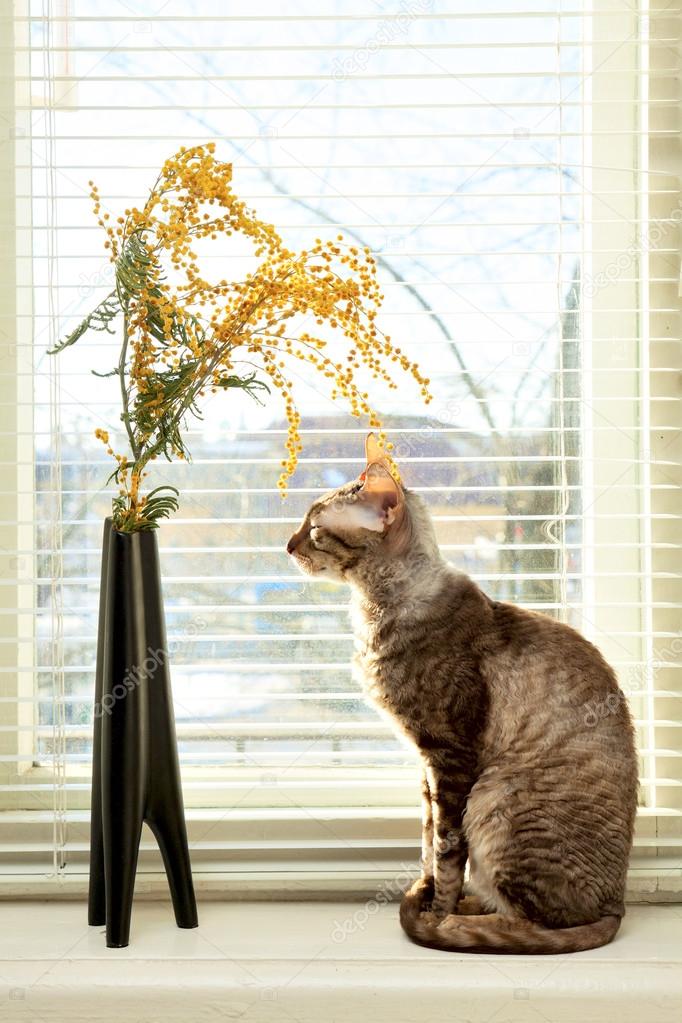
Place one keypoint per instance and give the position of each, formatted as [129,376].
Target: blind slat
[523,203]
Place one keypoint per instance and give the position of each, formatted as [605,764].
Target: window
[515,172]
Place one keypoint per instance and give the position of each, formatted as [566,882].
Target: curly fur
[495,699]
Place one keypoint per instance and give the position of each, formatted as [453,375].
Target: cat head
[362,526]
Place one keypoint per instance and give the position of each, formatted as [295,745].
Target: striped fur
[500,934]
[521,779]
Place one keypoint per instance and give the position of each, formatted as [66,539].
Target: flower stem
[125,414]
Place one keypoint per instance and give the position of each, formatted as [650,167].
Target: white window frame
[300,819]
[16,396]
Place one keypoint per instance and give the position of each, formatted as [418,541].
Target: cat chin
[320,570]
[326,570]
[306,567]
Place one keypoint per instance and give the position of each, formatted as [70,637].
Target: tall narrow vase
[135,772]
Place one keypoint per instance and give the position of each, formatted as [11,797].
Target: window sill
[312,961]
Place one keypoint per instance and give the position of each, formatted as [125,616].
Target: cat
[519,778]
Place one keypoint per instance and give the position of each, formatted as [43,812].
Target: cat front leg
[449,790]
[423,887]
[427,829]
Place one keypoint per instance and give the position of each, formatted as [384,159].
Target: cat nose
[295,540]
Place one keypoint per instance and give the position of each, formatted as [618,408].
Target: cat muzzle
[297,538]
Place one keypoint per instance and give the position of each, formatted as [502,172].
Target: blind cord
[55,558]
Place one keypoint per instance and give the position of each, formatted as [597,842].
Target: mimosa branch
[184,335]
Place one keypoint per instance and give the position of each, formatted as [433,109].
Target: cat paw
[421,893]
[441,907]
[431,919]
[471,905]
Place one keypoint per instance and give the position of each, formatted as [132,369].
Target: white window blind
[516,172]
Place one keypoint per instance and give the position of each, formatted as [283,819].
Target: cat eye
[316,533]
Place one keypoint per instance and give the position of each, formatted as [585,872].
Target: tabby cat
[521,778]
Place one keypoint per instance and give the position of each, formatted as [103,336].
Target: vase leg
[164,811]
[120,859]
[96,887]
[125,736]
[123,798]
[170,832]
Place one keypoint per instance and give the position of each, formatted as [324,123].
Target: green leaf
[160,504]
[99,319]
[251,384]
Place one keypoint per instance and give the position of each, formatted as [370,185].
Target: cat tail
[494,933]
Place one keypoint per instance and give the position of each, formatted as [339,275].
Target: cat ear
[373,451]
[379,503]
[381,494]
[348,516]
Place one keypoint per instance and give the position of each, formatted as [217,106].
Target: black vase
[135,770]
